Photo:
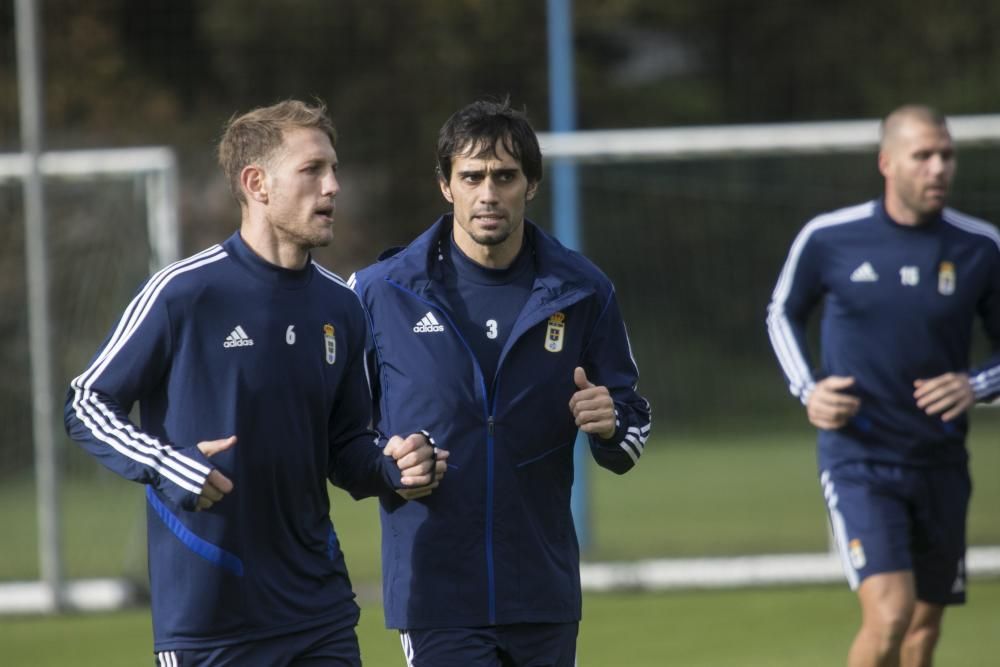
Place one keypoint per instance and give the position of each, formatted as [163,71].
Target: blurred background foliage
[133,72]
[694,248]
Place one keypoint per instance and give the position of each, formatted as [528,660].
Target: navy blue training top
[900,304]
[223,343]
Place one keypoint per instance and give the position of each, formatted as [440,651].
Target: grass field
[778,627]
[691,495]
[738,494]
[747,493]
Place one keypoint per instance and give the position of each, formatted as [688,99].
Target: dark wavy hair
[475,130]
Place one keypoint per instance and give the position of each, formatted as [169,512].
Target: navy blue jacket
[219,344]
[495,543]
[900,304]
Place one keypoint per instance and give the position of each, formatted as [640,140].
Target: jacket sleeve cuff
[391,474]
[185,495]
[985,385]
[806,393]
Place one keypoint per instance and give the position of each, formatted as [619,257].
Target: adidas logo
[959,585]
[238,338]
[864,274]
[428,324]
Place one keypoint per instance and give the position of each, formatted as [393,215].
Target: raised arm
[606,405]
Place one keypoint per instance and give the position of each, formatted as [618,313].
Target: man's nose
[488,190]
[331,186]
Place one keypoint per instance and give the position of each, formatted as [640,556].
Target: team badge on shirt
[329,344]
[554,332]
[946,278]
[856,552]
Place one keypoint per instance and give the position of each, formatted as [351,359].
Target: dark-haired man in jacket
[501,343]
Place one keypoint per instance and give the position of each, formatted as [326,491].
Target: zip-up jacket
[495,543]
[900,304]
[219,344]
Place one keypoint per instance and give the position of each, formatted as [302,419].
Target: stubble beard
[491,238]
[495,239]
[303,235]
[931,206]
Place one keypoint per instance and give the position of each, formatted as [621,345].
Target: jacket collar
[418,266]
[883,216]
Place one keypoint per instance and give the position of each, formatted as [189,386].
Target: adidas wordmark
[238,338]
[428,324]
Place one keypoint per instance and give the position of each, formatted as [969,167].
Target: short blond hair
[254,136]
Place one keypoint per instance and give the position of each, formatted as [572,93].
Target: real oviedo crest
[946,278]
[329,344]
[554,332]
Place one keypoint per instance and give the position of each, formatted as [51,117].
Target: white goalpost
[741,140]
[609,147]
[146,179]
[156,165]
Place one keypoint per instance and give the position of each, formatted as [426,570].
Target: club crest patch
[946,278]
[329,344]
[554,332]
[856,552]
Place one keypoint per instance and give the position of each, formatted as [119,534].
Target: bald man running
[901,279]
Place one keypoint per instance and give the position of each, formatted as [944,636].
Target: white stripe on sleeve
[101,420]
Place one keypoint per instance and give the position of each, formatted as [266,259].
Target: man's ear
[883,163]
[445,190]
[532,190]
[253,180]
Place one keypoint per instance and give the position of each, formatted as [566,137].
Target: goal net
[693,226]
[112,217]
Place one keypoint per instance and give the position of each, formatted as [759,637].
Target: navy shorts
[324,646]
[516,645]
[889,518]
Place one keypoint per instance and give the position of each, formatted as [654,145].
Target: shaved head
[894,123]
[917,159]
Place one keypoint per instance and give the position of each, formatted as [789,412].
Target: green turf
[746,493]
[687,499]
[690,495]
[773,628]
[752,492]
[777,627]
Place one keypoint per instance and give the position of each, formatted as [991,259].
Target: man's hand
[592,407]
[217,485]
[827,407]
[421,463]
[950,394]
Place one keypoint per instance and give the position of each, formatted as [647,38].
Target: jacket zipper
[490,428]
[490,566]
